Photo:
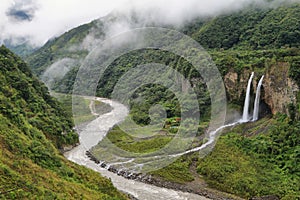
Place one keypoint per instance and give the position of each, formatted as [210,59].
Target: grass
[245,161]
[137,145]
[82,112]
[177,171]
[237,164]
[102,108]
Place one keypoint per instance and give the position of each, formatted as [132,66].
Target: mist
[177,12]
[57,71]
[37,21]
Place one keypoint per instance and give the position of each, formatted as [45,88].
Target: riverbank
[196,187]
[93,133]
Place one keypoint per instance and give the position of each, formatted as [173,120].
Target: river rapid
[93,133]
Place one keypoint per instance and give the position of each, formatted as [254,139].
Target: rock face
[278,89]
[232,87]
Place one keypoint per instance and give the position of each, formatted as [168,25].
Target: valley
[208,108]
[136,189]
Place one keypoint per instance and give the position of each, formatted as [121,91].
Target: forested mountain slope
[250,29]
[254,159]
[32,126]
[253,29]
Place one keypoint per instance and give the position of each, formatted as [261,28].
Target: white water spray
[211,140]
[247,100]
[257,99]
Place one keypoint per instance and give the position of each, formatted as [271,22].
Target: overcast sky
[40,20]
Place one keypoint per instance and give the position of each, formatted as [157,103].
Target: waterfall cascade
[247,100]
[257,99]
[214,134]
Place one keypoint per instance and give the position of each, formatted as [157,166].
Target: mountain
[250,160]
[253,29]
[66,46]
[250,29]
[22,48]
[251,39]
[33,126]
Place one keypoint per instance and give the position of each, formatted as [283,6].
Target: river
[93,133]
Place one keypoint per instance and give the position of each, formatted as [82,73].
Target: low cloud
[40,20]
[57,71]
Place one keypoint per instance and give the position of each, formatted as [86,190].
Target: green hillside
[58,48]
[253,29]
[22,50]
[256,159]
[250,29]
[253,159]
[32,126]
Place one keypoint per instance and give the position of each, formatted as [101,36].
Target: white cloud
[53,17]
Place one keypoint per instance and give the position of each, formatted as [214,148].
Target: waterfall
[247,100]
[257,99]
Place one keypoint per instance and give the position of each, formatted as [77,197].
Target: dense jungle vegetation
[249,160]
[33,126]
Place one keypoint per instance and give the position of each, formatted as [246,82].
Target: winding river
[93,133]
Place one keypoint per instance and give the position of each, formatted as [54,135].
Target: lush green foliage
[59,48]
[137,145]
[31,167]
[24,98]
[249,29]
[178,171]
[263,164]
[252,28]
[264,159]
[151,94]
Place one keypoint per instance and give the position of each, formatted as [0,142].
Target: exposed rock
[278,89]
[149,179]
[68,148]
[232,88]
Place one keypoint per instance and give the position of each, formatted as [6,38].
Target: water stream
[96,130]
[247,100]
[257,99]
[93,133]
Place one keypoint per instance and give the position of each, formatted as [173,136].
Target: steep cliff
[279,89]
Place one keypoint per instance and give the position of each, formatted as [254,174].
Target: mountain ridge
[249,29]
